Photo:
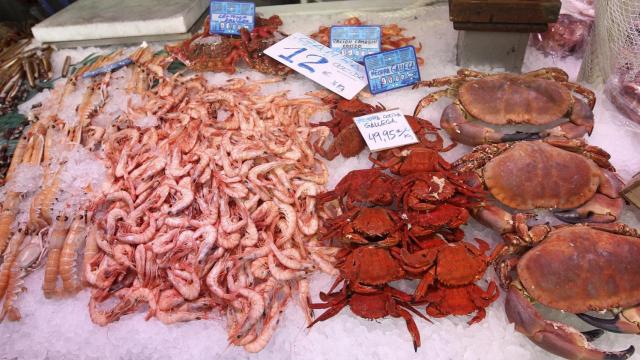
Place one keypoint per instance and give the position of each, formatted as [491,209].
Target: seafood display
[420,240]
[209,203]
[543,100]
[144,186]
[392,36]
[223,53]
[207,210]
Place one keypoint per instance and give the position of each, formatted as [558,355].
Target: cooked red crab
[573,179]
[537,104]
[347,140]
[449,264]
[224,52]
[363,226]
[376,305]
[368,186]
[461,300]
[575,269]
[438,202]
[410,159]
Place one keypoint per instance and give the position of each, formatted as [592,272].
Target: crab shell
[579,268]
[371,266]
[373,223]
[533,174]
[512,99]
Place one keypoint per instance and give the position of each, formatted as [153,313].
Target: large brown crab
[572,178]
[537,104]
[576,269]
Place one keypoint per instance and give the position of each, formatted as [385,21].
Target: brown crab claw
[592,335]
[556,338]
[618,324]
[600,209]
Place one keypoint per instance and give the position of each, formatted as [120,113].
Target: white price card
[385,130]
[328,68]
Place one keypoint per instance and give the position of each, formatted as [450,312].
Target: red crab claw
[556,338]
[624,322]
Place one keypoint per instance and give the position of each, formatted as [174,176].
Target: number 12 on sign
[317,62]
[304,64]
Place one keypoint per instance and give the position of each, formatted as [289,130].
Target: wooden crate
[504,11]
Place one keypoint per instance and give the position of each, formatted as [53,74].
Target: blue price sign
[355,42]
[228,17]
[392,69]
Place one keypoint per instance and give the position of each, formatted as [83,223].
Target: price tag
[392,69]
[355,42]
[385,130]
[334,71]
[228,17]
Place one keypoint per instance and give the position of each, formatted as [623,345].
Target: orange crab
[347,140]
[364,273]
[436,201]
[382,303]
[448,264]
[363,226]
[223,55]
[461,300]
[410,159]
[368,186]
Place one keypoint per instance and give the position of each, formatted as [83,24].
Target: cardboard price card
[385,130]
[228,17]
[332,70]
[392,69]
[355,42]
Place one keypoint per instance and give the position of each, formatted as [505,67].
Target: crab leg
[551,73]
[428,100]
[468,131]
[554,337]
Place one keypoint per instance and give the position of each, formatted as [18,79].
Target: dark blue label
[355,42]
[228,17]
[392,69]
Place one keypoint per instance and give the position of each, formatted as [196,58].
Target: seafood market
[347,179]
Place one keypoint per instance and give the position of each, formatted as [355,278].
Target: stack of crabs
[403,226]
[530,155]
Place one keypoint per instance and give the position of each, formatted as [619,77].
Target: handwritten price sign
[328,68]
[385,130]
